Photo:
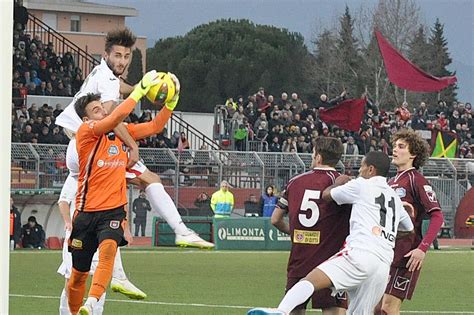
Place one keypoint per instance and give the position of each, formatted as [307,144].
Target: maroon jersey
[414,189]
[317,228]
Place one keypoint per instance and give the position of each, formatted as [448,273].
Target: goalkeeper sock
[297,295]
[63,307]
[103,271]
[162,203]
[76,288]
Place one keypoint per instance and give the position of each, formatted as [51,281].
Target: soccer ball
[164,90]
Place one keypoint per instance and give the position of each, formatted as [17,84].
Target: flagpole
[404,95]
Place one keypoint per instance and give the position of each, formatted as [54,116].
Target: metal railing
[195,137]
[187,173]
[61,44]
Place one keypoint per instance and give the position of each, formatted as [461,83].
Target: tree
[348,50]
[440,60]
[324,68]
[229,58]
[135,70]
[420,52]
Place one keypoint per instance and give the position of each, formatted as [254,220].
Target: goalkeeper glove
[148,80]
[171,104]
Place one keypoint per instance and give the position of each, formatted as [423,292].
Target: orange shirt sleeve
[117,116]
[140,131]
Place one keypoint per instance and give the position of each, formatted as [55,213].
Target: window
[75,23]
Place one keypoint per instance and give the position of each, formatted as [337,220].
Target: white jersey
[100,81]
[72,159]
[68,192]
[377,214]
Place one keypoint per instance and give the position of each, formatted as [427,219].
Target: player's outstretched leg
[164,205]
[120,282]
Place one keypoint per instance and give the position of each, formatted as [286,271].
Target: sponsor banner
[248,234]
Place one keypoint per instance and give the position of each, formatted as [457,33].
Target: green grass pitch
[181,281]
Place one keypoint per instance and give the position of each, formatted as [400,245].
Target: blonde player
[362,266]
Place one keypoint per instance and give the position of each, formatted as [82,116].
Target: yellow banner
[306,237]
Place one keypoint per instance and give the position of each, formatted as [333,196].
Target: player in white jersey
[105,80]
[362,266]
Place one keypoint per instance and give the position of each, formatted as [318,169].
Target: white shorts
[138,169]
[362,274]
[65,268]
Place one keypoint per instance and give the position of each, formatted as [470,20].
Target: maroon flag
[346,115]
[405,74]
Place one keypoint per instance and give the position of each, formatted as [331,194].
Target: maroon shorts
[321,299]
[402,283]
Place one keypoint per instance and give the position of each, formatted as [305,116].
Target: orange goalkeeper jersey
[103,158]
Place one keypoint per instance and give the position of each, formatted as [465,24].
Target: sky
[161,19]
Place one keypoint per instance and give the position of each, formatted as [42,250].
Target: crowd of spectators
[284,124]
[289,124]
[39,70]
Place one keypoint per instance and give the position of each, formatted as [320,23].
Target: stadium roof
[79,6]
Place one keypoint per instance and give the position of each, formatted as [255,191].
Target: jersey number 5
[309,210]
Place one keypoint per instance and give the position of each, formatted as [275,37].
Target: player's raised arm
[96,111]
[143,130]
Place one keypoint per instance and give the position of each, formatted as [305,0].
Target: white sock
[118,272]
[162,203]
[99,307]
[92,301]
[298,294]
[63,306]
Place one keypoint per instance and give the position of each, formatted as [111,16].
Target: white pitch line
[214,252]
[214,305]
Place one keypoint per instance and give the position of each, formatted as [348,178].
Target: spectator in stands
[296,103]
[268,201]
[15,224]
[33,235]
[283,100]
[58,110]
[289,145]
[324,101]
[262,131]
[261,99]
[183,143]
[250,113]
[350,148]
[240,138]
[403,112]
[252,207]
[203,203]
[275,146]
[45,135]
[140,207]
[238,117]
[231,107]
[222,201]
[27,135]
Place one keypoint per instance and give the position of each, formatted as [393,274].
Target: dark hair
[417,146]
[82,103]
[379,160]
[120,37]
[329,148]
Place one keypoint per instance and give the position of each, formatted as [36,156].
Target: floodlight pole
[6,37]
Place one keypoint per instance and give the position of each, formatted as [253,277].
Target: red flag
[346,115]
[405,74]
